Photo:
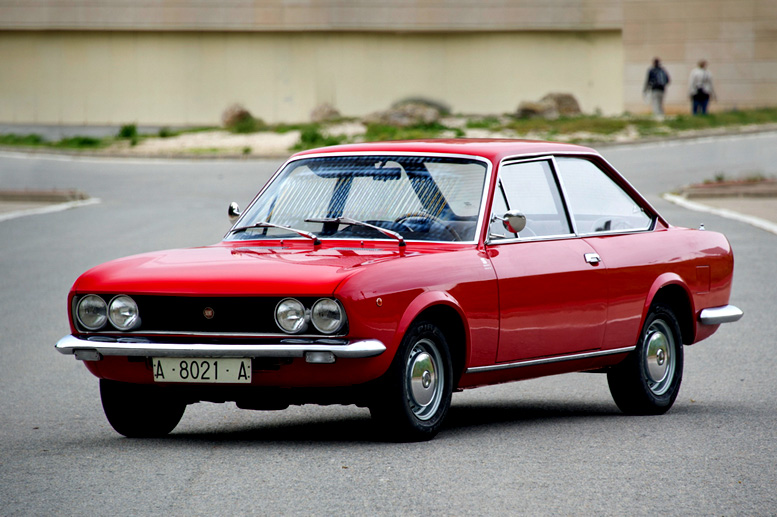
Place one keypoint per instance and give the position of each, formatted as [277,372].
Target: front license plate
[203,370]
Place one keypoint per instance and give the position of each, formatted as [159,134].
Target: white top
[700,78]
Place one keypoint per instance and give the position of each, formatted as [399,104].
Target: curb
[47,209]
[762,224]
[43,196]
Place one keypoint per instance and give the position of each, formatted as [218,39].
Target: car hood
[230,270]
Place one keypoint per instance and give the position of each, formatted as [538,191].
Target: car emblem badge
[208,313]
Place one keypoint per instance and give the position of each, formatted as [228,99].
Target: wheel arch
[444,312]
[672,293]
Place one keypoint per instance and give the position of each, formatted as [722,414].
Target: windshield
[420,197]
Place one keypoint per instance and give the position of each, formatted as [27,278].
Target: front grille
[188,314]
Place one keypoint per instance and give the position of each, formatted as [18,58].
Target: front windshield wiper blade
[348,220]
[263,224]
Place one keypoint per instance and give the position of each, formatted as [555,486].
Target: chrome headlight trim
[92,312]
[327,316]
[291,316]
[123,313]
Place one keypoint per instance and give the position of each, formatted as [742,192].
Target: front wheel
[139,410]
[648,380]
[415,394]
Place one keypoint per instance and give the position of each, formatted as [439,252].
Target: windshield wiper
[348,220]
[263,224]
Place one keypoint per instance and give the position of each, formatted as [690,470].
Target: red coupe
[390,275]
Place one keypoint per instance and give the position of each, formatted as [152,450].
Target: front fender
[424,301]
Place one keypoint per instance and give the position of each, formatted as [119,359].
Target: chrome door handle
[592,258]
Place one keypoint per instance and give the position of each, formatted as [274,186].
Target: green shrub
[311,137]
[247,124]
[79,142]
[128,131]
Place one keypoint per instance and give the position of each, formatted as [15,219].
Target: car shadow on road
[355,426]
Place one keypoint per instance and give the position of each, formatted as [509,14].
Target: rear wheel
[140,410]
[648,380]
[415,394]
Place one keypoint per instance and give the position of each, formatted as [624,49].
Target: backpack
[658,77]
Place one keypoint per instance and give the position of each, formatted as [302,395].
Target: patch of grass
[380,132]
[285,128]
[723,119]
[567,125]
[25,140]
[491,123]
[311,137]
[205,150]
[80,142]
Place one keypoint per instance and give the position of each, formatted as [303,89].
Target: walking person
[700,88]
[655,86]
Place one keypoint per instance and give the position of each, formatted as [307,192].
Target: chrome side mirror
[233,211]
[514,221]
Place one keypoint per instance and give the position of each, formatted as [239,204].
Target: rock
[530,109]
[550,107]
[405,114]
[235,114]
[565,103]
[324,113]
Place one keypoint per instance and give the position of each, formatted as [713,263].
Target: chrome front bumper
[718,315]
[92,350]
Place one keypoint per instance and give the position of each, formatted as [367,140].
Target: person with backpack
[700,88]
[655,85]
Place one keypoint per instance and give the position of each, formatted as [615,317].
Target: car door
[618,227]
[552,288]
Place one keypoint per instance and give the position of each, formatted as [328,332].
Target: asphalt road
[548,446]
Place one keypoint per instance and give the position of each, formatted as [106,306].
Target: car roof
[492,149]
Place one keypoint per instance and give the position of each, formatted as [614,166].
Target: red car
[390,275]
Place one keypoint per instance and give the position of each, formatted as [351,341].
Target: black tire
[414,396]
[648,380]
[139,410]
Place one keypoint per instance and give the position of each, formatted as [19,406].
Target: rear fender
[684,308]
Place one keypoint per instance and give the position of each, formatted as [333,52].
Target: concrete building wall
[307,15]
[738,38]
[183,61]
[189,78]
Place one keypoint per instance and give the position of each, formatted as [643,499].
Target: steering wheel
[433,221]
[608,224]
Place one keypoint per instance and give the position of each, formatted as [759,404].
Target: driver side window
[530,188]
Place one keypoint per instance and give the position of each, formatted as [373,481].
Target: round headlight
[327,316]
[92,312]
[290,316]
[123,313]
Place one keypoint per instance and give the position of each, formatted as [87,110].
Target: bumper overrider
[319,351]
[719,315]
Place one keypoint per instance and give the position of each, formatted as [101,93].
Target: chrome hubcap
[659,357]
[424,379]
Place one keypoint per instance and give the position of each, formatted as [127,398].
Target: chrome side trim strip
[354,349]
[548,360]
[718,315]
